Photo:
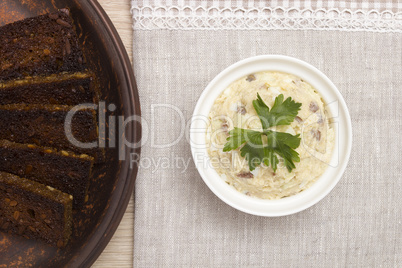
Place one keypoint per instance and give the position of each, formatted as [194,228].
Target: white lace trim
[279,18]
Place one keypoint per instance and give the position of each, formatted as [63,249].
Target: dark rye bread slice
[34,210]
[62,170]
[41,45]
[64,89]
[43,125]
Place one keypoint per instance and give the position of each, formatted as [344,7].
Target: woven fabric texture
[179,222]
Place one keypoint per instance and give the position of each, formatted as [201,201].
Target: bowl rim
[342,126]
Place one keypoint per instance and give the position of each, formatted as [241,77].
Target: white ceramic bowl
[335,104]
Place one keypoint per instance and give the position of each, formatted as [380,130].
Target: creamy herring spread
[234,108]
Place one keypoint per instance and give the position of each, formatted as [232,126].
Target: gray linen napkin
[179,222]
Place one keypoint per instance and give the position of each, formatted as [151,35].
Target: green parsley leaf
[281,113]
[238,137]
[275,137]
[270,158]
[277,143]
[284,144]
[252,150]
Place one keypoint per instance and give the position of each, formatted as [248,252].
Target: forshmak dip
[234,108]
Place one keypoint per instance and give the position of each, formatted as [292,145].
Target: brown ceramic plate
[113,182]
